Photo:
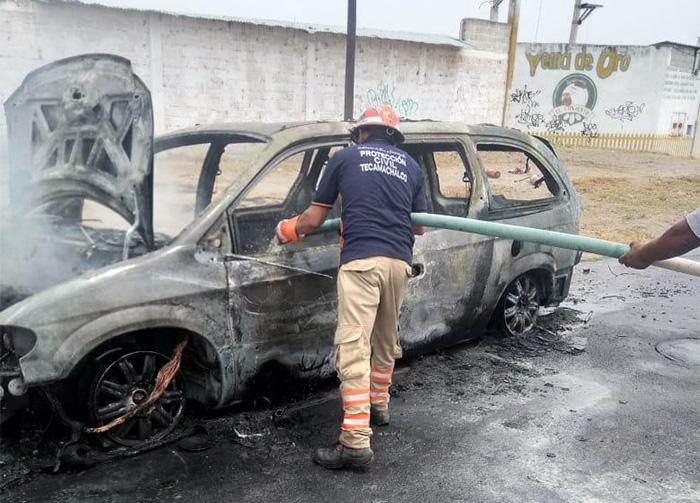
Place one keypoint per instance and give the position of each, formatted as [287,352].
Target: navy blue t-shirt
[380,186]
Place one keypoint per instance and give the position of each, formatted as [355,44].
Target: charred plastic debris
[91,316]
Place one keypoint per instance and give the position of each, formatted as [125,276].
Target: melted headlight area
[15,342]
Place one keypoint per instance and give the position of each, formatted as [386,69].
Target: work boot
[339,457]
[379,417]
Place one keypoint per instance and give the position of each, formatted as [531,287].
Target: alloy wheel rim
[521,306]
[125,384]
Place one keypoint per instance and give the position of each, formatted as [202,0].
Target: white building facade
[595,89]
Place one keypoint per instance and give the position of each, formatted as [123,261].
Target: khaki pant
[370,293]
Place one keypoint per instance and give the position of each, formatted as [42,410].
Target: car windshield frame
[209,165]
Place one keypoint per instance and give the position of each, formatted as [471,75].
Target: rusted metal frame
[208,174]
[130,232]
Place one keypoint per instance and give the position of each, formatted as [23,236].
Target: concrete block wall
[217,70]
[485,35]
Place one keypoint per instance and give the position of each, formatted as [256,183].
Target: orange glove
[286,231]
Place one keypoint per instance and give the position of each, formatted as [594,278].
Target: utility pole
[350,61]
[695,148]
[495,4]
[574,23]
[513,19]
[578,18]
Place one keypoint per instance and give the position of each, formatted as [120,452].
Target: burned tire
[517,311]
[126,380]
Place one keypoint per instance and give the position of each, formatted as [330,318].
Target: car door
[283,299]
[530,192]
[443,301]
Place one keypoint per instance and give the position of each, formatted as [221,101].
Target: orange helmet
[385,116]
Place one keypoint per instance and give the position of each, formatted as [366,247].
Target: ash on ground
[268,430]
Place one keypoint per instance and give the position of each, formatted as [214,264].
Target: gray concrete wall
[485,35]
[209,70]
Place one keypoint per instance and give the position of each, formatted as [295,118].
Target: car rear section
[525,186]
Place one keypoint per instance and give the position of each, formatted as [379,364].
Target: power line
[537,28]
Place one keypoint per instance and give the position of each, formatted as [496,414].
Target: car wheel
[125,383]
[519,306]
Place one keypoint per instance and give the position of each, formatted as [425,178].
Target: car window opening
[448,178]
[189,178]
[283,190]
[515,177]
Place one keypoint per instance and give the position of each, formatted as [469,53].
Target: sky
[635,22]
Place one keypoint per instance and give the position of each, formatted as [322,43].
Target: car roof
[264,131]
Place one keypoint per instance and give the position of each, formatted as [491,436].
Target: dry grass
[627,209]
[631,196]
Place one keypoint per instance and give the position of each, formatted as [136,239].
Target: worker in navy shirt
[379,186]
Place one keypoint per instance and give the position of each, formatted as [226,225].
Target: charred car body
[246,305]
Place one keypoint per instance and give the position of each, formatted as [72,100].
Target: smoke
[39,250]
[30,260]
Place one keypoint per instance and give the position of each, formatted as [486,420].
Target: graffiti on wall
[573,101]
[525,96]
[556,125]
[529,114]
[608,62]
[628,111]
[590,130]
[384,94]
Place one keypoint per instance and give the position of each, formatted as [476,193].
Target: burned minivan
[195,257]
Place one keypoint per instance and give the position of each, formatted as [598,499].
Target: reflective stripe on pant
[370,293]
[379,382]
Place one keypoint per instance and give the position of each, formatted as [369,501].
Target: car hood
[82,128]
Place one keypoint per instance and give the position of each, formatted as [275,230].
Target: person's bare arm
[418,230]
[311,219]
[676,241]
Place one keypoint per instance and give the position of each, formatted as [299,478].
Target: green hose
[507,231]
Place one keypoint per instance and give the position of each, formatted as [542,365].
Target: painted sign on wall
[596,89]
[607,62]
[574,99]
[590,90]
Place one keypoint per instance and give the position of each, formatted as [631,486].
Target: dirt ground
[631,196]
